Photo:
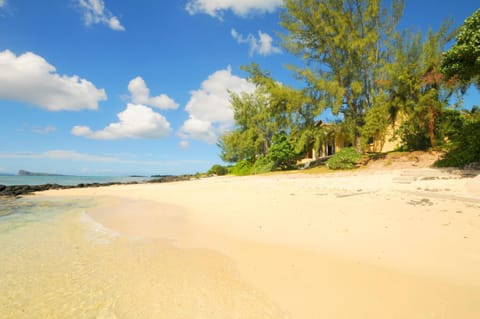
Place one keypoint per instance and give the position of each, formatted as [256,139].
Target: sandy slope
[369,244]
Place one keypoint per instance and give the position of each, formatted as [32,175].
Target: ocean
[66,180]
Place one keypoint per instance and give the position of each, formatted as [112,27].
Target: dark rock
[19,190]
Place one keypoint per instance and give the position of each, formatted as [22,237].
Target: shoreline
[407,239]
[26,189]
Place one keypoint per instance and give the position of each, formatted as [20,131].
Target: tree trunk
[431,126]
[357,141]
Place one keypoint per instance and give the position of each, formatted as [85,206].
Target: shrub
[241,168]
[281,154]
[346,158]
[263,164]
[465,149]
[218,170]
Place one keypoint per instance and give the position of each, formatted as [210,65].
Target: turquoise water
[66,180]
[56,262]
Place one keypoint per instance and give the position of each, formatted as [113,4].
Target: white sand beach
[398,243]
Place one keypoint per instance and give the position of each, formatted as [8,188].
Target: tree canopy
[344,46]
[357,64]
[462,61]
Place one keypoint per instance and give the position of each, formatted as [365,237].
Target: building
[333,141]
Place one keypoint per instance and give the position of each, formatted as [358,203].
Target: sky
[124,87]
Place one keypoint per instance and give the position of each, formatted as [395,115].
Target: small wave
[98,233]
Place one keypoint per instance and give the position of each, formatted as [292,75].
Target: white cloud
[141,95]
[199,130]
[60,155]
[262,45]
[94,12]
[209,107]
[30,78]
[216,8]
[43,129]
[3,3]
[184,144]
[69,155]
[136,121]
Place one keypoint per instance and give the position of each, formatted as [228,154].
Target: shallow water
[56,262]
[67,180]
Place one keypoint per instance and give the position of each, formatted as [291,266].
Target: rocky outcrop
[171,178]
[19,190]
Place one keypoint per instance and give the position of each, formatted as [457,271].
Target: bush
[218,170]
[281,154]
[346,158]
[465,149]
[263,164]
[241,168]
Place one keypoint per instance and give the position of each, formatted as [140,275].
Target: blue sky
[120,87]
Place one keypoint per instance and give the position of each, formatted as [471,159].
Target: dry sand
[365,244]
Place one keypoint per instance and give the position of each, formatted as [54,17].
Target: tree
[259,117]
[343,43]
[434,90]
[464,142]
[414,92]
[462,61]
[281,153]
[251,136]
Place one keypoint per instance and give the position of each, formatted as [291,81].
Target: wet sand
[368,244]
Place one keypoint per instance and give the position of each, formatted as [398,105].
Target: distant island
[27,173]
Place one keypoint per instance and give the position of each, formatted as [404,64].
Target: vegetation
[345,47]
[218,170]
[464,143]
[462,61]
[359,66]
[346,158]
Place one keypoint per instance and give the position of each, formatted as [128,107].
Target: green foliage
[344,46]
[281,154]
[262,165]
[462,61]
[358,66]
[241,168]
[218,170]
[413,136]
[253,128]
[417,90]
[464,144]
[346,158]
[376,120]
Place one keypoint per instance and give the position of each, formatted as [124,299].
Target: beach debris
[421,202]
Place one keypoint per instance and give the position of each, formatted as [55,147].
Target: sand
[398,243]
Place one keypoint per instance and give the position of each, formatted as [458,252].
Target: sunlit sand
[365,244]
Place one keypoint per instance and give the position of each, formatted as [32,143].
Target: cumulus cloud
[141,95]
[199,130]
[263,45]
[136,121]
[94,11]
[209,108]
[216,8]
[30,78]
